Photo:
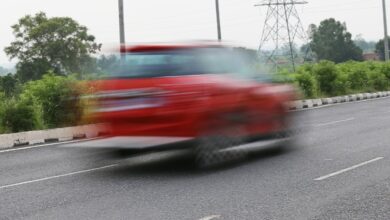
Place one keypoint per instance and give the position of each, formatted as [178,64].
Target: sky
[177,20]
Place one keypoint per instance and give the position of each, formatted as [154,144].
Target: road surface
[340,170]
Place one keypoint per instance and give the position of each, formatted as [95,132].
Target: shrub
[384,68]
[2,106]
[283,76]
[342,84]
[326,74]
[307,83]
[358,76]
[340,79]
[18,116]
[378,81]
[57,98]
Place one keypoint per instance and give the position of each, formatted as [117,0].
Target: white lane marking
[334,122]
[348,169]
[44,145]
[211,217]
[57,176]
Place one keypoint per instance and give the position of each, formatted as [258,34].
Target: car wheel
[218,147]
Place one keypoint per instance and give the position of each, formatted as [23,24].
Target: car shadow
[176,163]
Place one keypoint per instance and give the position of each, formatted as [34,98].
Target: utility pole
[121,27]
[386,39]
[218,20]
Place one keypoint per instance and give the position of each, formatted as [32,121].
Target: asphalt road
[340,170]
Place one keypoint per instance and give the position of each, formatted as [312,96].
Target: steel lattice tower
[282,28]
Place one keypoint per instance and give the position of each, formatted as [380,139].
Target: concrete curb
[327,101]
[313,103]
[307,103]
[317,102]
[50,136]
[352,98]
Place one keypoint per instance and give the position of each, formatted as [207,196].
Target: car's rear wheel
[219,146]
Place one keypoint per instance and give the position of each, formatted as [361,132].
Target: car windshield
[185,62]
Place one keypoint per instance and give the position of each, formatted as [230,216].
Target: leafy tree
[331,41]
[380,48]
[42,44]
[4,71]
[8,84]
[107,64]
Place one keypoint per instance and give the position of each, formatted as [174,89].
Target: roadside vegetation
[54,56]
[325,79]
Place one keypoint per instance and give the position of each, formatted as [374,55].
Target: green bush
[384,68]
[378,81]
[326,74]
[2,106]
[307,83]
[56,98]
[342,84]
[283,76]
[17,116]
[341,79]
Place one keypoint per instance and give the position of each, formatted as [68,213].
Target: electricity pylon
[281,31]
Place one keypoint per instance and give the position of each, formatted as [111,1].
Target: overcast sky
[170,20]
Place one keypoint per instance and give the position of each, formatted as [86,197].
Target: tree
[42,44]
[366,46]
[331,41]
[8,84]
[107,64]
[3,71]
[380,49]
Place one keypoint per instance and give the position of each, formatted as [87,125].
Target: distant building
[371,56]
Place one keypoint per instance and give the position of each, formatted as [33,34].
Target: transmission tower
[281,31]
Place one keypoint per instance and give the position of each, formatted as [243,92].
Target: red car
[210,94]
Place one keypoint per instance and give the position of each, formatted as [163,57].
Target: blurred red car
[210,93]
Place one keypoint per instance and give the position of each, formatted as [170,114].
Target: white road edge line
[44,145]
[334,122]
[57,176]
[348,169]
[211,217]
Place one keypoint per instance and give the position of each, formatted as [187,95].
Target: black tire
[213,148]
